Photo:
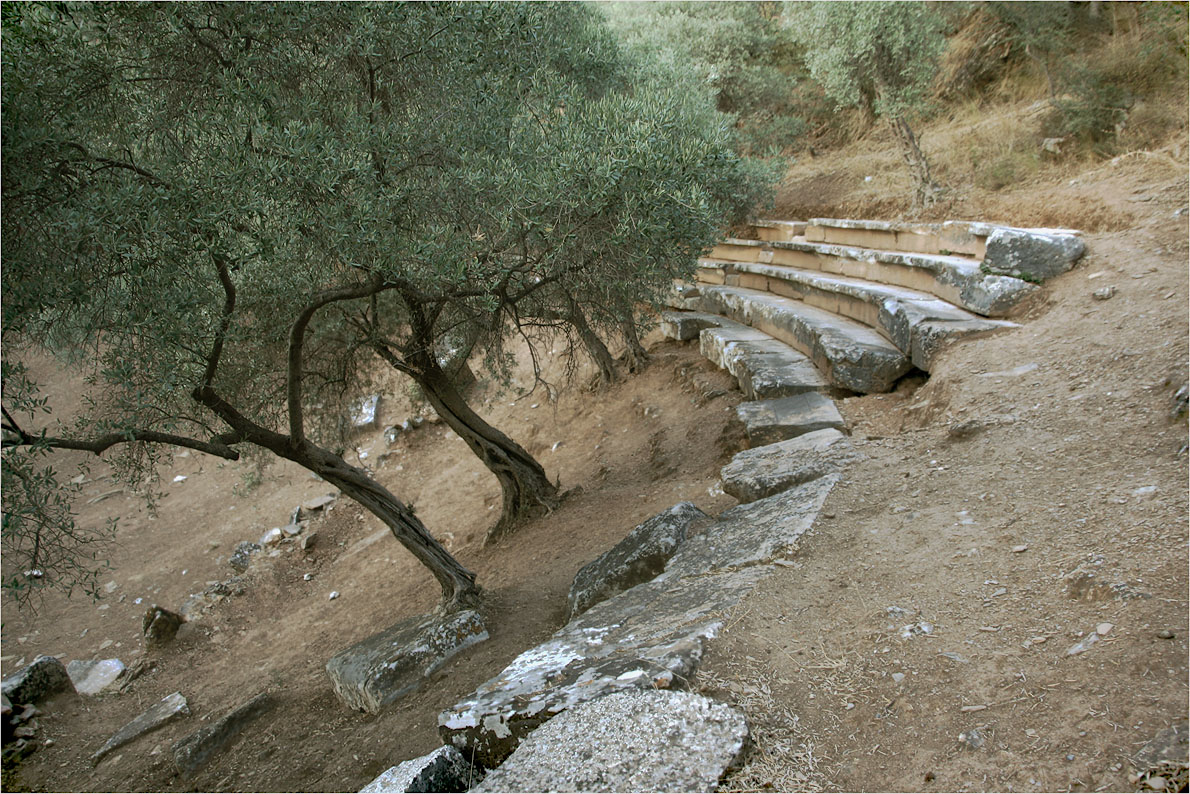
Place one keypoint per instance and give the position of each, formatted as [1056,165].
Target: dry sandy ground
[1072,429]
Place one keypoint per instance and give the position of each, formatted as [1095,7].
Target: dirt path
[1033,490]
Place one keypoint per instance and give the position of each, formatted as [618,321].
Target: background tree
[880,57]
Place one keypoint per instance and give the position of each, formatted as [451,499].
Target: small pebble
[1165,634]
[307,577]
[1104,293]
[1156,782]
[334,594]
[1070,757]
[1021,548]
[898,677]
[1103,629]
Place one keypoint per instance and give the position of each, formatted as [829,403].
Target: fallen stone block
[763,471]
[1033,254]
[160,626]
[33,683]
[445,769]
[169,708]
[770,421]
[628,741]
[194,751]
[637,558]
[649,637]
[378,670]
[751,534]
[91,678]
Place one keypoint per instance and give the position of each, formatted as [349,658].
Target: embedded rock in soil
[241,557]
[770,421]
[445,769]
[160,626]
[763,471]
[751,534]
[46,676]
[192,752]
[365,413]
[165,710]
[1165,756]
[1031,253]
[649,637]
[91,678]
[637,558]
[378,670]
[628,741]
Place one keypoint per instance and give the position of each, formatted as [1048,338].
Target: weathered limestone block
[750,534]
[169,708]
[1034,254]
[194,751]
[852,355]
[684,326]
[637,558]
[764,367]
[924,328]
[763,471]
[770,421]
[649,637]
[92,677]
[445,769]
[628,741]
[364,416]
[33,683]
[378,670]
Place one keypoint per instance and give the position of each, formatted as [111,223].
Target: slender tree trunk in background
[635,353]
[526,489]
[595,347]
[925,189]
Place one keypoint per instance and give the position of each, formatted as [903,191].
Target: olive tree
[880,57]
[225,208]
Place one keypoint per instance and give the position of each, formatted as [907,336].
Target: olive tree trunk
[925,189]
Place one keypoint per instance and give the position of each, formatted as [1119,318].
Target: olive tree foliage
[880,57]
[225,208]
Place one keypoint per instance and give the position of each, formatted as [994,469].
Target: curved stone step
[1036,254]
[918,323]
[956,279]
[851,355]
[763,366]
[780,419]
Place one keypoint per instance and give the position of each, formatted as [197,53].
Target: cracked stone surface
[763,471]
[628,741]
[1036,254]
[92,677]
[445,769]
[751,534]
[376,671]
[194,751]
[650,637]
[637,558]
[43,677]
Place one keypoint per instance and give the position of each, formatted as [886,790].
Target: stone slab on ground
[629,741]
[44,677]
[637,558]
[92,677]
[751,534]
[194,751]
[763,471]
[650,637]
[169,708]
[770,421]
[445,769]
[378,670]
[853,356]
